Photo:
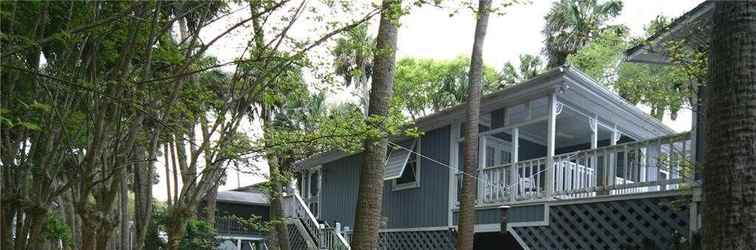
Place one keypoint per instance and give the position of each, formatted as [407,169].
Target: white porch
[570,153]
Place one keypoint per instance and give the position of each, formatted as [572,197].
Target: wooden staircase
[305,232]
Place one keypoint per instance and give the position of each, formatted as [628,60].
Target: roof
[251,188]
[570,82]
[246,198]
[694,25]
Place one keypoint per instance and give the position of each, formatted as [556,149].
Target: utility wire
[484,181]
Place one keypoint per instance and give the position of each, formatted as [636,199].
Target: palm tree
[530,66]
[367,219]
[571,24]
[467,204]
[730,129]
[353,60]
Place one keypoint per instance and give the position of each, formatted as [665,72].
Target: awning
[396,162]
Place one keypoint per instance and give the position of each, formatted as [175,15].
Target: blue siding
[424,206]
[526,213]
[482,216]
[516,214]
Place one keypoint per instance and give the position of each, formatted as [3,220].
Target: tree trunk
[370,194]
[211,200]
[176,230]
[143,196]
[7,224]
[276,208]
[89,233]
[123,197]
[467,206]
[729,189]
[72,220]
[104,235]
[38,220]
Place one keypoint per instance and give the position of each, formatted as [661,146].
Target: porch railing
[657,164]
[232,225]
[325,236]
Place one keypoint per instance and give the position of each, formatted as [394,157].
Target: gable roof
[572,85]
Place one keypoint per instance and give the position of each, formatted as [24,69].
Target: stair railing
[323,235]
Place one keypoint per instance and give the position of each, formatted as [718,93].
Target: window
[410,178]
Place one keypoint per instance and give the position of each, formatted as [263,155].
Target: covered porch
[552,148]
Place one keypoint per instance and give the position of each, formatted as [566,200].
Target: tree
[370,193]
[571,24]
[353,55]
[530,66]
[430,85]
[664,88]
[730,129]
[84,104]
[467,221]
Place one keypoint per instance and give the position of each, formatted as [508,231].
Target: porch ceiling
[572,129]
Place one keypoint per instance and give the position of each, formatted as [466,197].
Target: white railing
[323,235]
[331,239]
[657,164]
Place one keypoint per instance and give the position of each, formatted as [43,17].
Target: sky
[430,32]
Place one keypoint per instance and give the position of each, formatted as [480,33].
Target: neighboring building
[693,29]
[245,202]
[578,166]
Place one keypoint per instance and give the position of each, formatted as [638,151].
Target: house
[241,203]
[564,164]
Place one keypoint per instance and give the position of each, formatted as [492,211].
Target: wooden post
[482,181]
[550,145]
[514,185]
[453,169]
[594,144]
[612,173]
[503,210]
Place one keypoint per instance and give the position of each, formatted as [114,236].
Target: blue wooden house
[564,164]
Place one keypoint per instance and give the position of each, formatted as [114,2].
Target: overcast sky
[429,32]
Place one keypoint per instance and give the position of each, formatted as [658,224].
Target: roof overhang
[243,198]
[694,26]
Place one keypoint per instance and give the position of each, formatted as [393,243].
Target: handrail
[323,235]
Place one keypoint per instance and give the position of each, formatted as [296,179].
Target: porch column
[612,173]
[550,146]
[453,169]
[593,123]
[482,182]
[515,184]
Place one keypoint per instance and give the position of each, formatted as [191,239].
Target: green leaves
[664,88]
[571,24]
[424,85]
[529,66]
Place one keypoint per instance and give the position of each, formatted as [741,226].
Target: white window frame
[308,195]
[410,185]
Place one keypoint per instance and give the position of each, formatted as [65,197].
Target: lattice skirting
[621,224]
[296,240]
[421,240]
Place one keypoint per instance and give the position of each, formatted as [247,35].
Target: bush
[200,235]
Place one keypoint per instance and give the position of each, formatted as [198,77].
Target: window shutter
[396,162]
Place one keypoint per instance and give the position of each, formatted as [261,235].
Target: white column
[551,146]
[482,180]
[593,123]
[453,160]
[612,173]
[514,184]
